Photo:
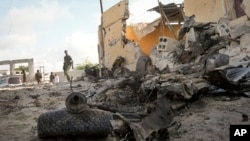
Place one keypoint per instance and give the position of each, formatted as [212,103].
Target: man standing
[68,62]
[24,76]
[51,77]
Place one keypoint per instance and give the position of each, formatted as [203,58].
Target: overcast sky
[43,29]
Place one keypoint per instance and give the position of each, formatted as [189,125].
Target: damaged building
[116,38]
[184,38]
[183,55]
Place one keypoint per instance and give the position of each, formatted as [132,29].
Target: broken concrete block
[223,29]
[245,41]
[143,64]
[223,51]
[246,7]
[221,60]
[210,65]
[200,83]
[162,64]
[191,35]
[240,29]
[162,60]
[235,51]
[216,61]
[167,44]
[231,50]
[235,59]
[234,45]
[223,20]
[240,20]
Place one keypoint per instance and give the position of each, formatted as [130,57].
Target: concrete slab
[191,35]
[238,21]
[245,41]
[246,7]
[240,30]
[167,44]
[223,29]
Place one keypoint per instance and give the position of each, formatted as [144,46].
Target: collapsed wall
[226,35]
[112,40]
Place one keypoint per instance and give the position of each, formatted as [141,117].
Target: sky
[43,29]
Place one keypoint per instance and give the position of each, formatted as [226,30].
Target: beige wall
[115,13]
[206,10]
[113,30]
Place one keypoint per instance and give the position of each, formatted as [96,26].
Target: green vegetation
[20,68]
[84,65]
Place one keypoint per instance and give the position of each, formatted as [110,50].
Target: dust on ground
[207,119]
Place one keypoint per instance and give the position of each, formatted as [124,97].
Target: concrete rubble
[208,58]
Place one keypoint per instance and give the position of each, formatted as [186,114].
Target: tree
[20,68]
[84,65]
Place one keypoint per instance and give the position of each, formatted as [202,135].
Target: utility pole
[101,46]
[101,6]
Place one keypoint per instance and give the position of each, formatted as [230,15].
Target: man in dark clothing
[38,77]
[24,76]
[68,62]
[51,77]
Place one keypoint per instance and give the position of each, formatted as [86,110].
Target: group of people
[54,78]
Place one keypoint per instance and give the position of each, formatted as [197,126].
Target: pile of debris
[207,58]
[215,53]
[213,56]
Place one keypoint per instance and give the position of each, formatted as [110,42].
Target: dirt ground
[207,119]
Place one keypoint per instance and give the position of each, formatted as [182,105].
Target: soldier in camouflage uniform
[68,62]
[38,77]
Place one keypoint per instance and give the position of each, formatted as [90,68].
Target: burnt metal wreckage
[207,62]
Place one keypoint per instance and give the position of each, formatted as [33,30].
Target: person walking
[68,63]
[38,77]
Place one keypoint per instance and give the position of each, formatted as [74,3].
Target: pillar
[31,69]
[12,68]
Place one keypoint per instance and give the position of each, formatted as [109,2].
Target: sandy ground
[205,120]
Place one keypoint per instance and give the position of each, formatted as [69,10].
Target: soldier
[51,77]
[24,76]
[68,62]
[38,77]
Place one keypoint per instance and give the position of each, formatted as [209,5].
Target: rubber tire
[90,122]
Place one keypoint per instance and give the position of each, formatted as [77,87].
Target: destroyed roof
[174,12]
